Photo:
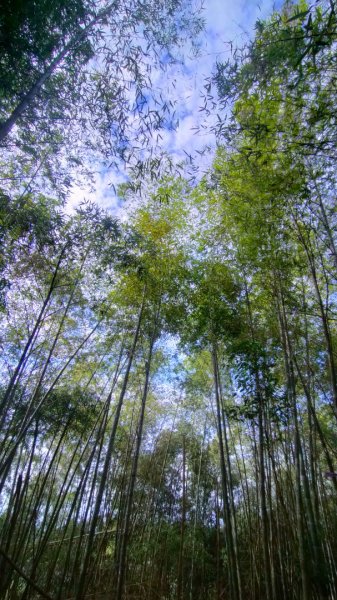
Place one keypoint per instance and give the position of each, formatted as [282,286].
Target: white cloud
[103,191]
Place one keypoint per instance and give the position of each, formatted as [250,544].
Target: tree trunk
[7,126]
[80,594]
[128,512]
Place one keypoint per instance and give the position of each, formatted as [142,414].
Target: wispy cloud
[102,191]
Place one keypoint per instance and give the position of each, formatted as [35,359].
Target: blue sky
[225,21]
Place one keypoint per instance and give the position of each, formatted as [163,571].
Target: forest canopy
[168,390]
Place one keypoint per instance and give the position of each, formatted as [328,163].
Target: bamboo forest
[168,389]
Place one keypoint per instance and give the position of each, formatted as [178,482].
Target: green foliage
[30,32]
[168,391]
[26,224]
[65,95]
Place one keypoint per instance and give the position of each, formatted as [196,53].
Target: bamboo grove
[168,397]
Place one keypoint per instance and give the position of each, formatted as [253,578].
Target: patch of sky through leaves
[187,132]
